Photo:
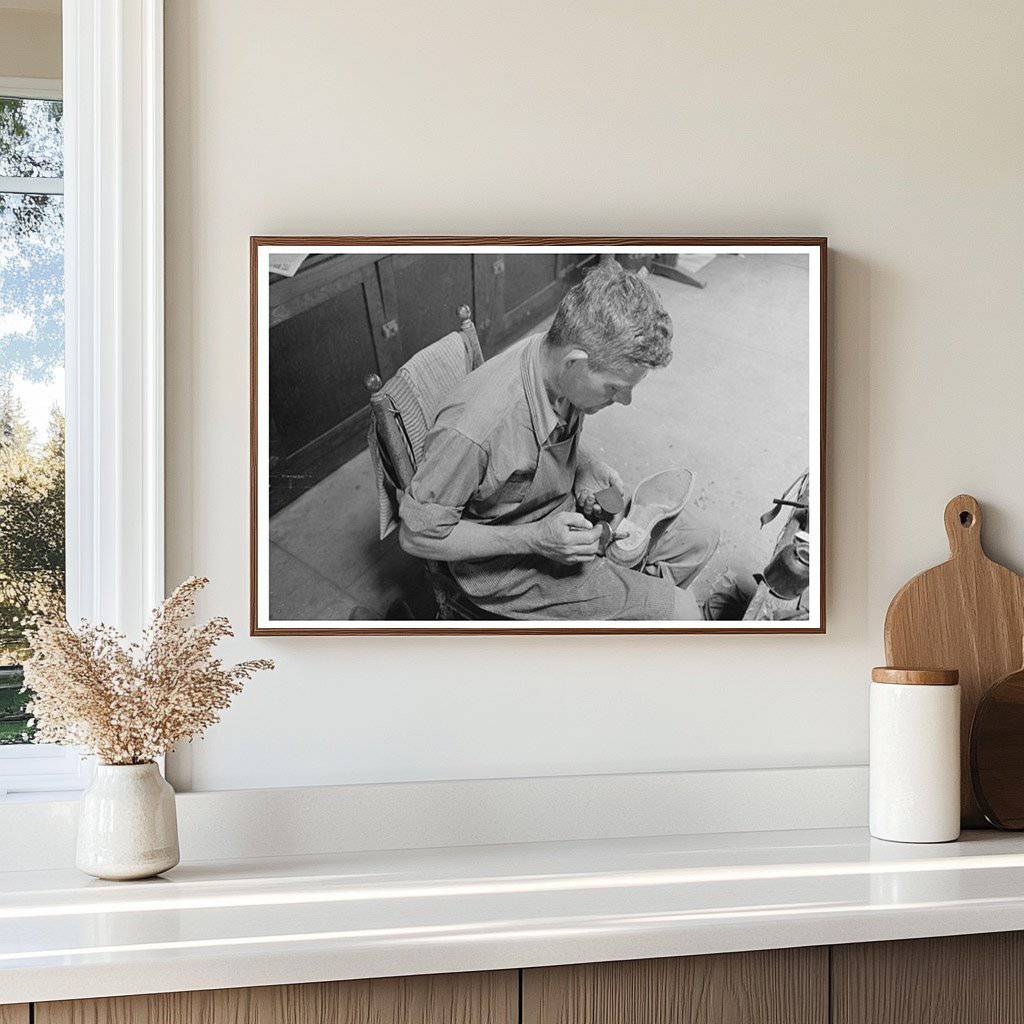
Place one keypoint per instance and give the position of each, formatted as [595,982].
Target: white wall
[895,129]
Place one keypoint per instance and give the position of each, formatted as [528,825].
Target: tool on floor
[798,489]
[782,588]
[789,571]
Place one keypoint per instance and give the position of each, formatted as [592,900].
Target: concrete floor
[732,406]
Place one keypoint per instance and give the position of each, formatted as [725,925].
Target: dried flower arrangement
[130,703]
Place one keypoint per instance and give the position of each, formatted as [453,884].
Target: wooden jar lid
[916,676]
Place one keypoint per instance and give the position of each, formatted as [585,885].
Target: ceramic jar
[915,755]
[127,825]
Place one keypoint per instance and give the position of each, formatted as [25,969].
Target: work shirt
[498,454]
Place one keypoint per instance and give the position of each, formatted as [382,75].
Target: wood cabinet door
[960,979]
[345,316]
[423,293]
[779,986]
[328,332]
[14,1013]
[513,292]
[478,998]
[323,343]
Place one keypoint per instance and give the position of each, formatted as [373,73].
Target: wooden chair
[402,411]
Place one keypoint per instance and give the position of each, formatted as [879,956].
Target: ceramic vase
[127,825]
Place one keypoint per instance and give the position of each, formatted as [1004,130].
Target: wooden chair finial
[465,314]
[373,383]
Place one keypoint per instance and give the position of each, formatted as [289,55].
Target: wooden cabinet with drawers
[960,979]
[479,998]
[345,316]
[775,986]
[974,979]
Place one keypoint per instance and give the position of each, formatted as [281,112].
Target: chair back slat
[402,411]
[412,398]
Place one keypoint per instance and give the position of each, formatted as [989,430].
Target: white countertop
[298,919]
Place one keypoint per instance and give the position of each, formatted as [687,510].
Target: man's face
[591,390]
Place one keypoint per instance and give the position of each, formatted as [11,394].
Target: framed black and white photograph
[537,435]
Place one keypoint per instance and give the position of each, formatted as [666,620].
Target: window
[31,408]
[111,120]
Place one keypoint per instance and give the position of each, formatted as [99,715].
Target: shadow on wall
[850,515]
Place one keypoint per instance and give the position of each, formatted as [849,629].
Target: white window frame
[114,327]
[38,767]
[31,89]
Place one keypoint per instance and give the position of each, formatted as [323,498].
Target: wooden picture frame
[380,295]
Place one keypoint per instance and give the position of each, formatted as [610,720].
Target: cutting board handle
[963,527]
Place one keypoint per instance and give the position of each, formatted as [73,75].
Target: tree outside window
[31,386]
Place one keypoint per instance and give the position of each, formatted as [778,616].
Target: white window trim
[32,186]
[37,768]
[31,88]
[114,326]
[42,769]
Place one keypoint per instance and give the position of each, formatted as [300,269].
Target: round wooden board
[997,753]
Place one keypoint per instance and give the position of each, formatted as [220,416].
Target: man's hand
[592,478]
[565,537]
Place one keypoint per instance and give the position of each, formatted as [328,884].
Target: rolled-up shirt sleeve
[449,473]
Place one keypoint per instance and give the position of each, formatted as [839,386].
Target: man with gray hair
[503,474]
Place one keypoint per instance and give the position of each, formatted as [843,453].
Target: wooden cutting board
[967,614]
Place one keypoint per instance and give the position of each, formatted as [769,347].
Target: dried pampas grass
[129,703]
